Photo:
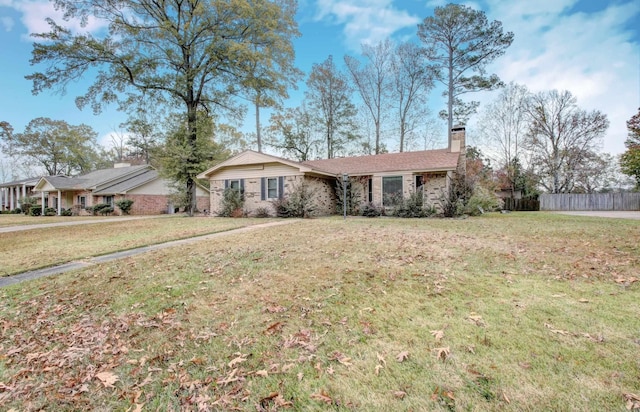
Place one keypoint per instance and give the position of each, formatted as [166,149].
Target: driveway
[617,215]
[81,264]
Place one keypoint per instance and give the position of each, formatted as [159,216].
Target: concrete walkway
[20,228]
[66,267]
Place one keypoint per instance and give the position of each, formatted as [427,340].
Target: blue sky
[589,47]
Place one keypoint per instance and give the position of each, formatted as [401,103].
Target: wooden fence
[595,201]
[525,204]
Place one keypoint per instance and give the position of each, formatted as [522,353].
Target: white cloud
[35,13]
[365,21]
[590,54]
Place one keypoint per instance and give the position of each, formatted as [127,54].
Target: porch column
[12,204]
[59,203]
[42,207]
[18,197]
[24,190]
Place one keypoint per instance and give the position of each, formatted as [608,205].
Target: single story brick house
[263,178]
[142,184]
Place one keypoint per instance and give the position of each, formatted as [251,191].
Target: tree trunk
[258,137]
[192,117]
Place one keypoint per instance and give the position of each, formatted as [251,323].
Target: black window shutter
[226,183]
[263,188]
[241,185]
[280,187]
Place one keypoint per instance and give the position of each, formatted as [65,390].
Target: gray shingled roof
[426,160]
[129,184]
[31,181]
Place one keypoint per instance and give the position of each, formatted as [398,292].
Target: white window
[82,201]
[235,184]
[272,188]
[108,200]
[391,190]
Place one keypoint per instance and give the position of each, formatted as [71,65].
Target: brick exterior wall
[322,188]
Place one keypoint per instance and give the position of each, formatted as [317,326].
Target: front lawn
[502,312]
[37,248]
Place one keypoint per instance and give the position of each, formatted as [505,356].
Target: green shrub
[413,206]
[50,211]
[371,210]
[16,211]
[482,201]
[106,211]
[125,205]
[66,212]
[27,203]
[35,211]
[97,209]
[232,203]
[299,203]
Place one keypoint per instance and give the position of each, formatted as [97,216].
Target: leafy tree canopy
[459,39]
[60,148]
[193,54]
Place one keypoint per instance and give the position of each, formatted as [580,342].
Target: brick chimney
[458,145]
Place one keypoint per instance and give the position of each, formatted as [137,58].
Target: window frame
[386,201]
[269,189]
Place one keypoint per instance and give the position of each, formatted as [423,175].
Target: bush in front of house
[371,210]
[66,212]
[35,211]
[482,201]
[299,203]
[125,205]
[232,204]
[98,209]
[49,211]
[413,206]
[27,203]
[262,212]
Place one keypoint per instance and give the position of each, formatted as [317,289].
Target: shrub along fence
[594,201]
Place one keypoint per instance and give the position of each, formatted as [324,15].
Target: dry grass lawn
[7,220]
[38,248]
[502,312]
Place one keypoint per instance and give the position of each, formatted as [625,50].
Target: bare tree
[412,82]
[560,136]
[293,133]
[328,94]
[503,125]
[372,81]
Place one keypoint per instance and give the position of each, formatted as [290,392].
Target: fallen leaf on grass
[442,353]
[438,334]
[557,331]
[477,319]
[378,368]
[632,401]
[399,394]
[402,356]
[322,396]
[583,300]
[107,378]
[381,359]
[237,360]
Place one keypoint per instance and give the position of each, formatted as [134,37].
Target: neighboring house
[142,184]
[263,178]
[12,193]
